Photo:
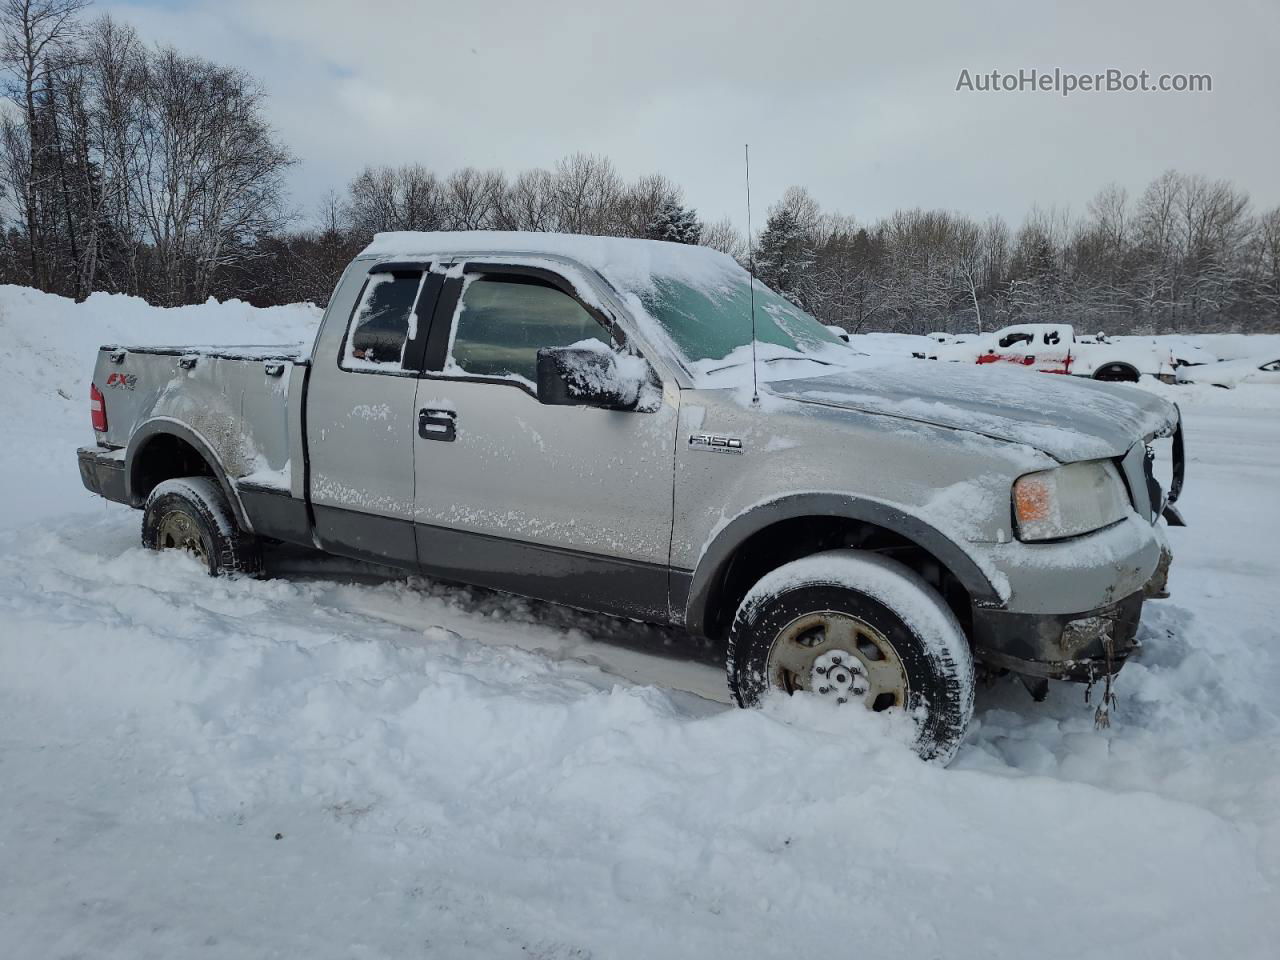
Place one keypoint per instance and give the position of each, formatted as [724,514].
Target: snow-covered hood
[1067,418]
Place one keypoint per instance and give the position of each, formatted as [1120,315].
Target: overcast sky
[857,102]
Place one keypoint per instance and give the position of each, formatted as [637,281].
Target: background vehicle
[1230,373]
[1041,346]
[1054,348]
[573,418]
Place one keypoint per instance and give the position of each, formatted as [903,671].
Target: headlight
[1069,500]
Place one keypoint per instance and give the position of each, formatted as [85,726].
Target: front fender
[718,553]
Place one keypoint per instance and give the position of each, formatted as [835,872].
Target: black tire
[931,650]
[1116,373]
[192,514]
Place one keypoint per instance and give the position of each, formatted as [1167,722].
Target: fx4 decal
[122,381]
[714,443]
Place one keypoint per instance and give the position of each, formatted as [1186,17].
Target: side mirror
[589,374]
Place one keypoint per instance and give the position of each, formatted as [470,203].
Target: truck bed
[239,405]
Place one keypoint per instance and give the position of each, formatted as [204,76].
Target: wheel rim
[840,658]
[177,531]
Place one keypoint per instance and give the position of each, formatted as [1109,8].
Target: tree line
[138,169]
[1186,254]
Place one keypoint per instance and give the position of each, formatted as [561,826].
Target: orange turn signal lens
[1033,498]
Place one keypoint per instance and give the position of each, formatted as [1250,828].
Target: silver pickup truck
[638,428]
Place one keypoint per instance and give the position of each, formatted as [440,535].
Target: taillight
[97,408]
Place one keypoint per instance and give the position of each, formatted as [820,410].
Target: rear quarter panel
[242,414]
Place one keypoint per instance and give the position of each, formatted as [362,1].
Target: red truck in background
[1045,347]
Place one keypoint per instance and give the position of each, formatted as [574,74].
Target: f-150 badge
[714,443]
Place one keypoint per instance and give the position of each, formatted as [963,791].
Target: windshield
[710,321]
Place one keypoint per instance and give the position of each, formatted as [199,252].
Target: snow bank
[51,344]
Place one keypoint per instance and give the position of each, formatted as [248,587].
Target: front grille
[1158,468]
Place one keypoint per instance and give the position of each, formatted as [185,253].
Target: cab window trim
[440,341]
[423,307]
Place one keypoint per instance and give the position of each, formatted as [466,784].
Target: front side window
[502,322]
[1011,339]
[382,323]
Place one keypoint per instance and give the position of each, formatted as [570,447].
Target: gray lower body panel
[623,588]
[1071,646]
[102,473]
[276,514]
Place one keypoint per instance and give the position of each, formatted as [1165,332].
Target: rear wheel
[191,514]
[1116,373]
[855,629]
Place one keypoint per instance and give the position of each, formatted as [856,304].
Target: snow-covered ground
[330,764]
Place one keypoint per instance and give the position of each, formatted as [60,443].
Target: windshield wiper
[799,356]
[790,356]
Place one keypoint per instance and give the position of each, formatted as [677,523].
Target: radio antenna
[751,260]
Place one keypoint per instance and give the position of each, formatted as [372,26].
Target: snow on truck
[574,419]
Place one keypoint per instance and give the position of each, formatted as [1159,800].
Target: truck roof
[627,263]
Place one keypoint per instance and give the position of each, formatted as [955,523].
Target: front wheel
[191,514]
[856,628]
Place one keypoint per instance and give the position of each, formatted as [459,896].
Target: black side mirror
[589,376]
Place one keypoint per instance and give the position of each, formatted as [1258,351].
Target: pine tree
[675,223]
[784,254]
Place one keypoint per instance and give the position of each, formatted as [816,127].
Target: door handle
[437,424]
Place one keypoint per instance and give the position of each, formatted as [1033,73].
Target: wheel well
[164,457]
[798,537]
[1126,372]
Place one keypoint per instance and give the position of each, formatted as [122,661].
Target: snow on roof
[627,263]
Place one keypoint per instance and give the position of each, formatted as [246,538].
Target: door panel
[571,504]
[361,417]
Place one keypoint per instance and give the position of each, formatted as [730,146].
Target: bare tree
[725,237]
[970,263]
[471,199]
[36,36]
[587,194]
[641,203]
[395,198]
[208,178]
[529,203]
[115,75]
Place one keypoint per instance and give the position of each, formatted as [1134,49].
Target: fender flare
[715,557]
[166,426]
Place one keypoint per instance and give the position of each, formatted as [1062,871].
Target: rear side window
[503,322]
[382,323]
